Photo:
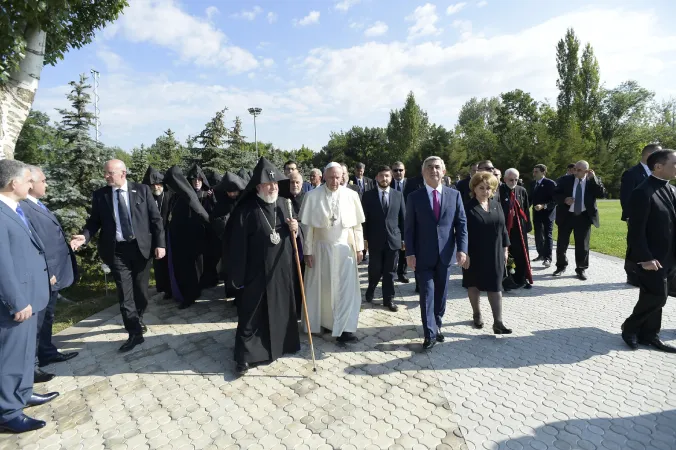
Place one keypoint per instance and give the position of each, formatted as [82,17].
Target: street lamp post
[255,112]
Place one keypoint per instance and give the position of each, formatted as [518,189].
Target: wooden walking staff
[302,287]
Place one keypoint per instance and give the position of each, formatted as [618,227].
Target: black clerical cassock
[264,270]
[296,202]
[516,208]
[186,238]
[160,266]
[212,253]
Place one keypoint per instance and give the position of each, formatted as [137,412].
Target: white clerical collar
[31,198]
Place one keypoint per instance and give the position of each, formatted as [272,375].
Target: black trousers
[402,267]
[131,272]
[544,242]
[383,264]
[646,319]
[45,349]
[580,227]
[517,251]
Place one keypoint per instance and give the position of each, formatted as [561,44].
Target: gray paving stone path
[563,380]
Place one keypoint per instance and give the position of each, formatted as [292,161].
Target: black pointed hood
[178,183]
[213,178]
[230,183]
[264,172]
[196,171]
[244,174]
[153,176]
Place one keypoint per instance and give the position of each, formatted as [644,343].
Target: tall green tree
[166,151]
[515,127]
[139,163]
[407,129]
[568,67]
[76,170]
[35,135]
[210,144]
[587,101]
[34,33]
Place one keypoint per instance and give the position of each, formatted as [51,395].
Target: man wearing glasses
[399,184]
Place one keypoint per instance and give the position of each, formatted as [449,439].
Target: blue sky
[316,66]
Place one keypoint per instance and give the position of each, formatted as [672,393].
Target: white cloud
[248,14]
[356,25]
[112,60]
[272,17]
[455,8]
[194,40]
[211,11]
[464,27]
[424,20]
[377,29]
[310,19]
[344,5]
[481,4]
[268,62]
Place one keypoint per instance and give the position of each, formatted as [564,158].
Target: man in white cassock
[334,241]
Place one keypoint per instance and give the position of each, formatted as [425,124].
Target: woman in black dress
[488,248]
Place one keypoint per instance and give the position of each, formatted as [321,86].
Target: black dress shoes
[60,357]
[22,424]
[539,258]
[41,376]
[559,272]
[39,399]
[659,345]
[500,328]
[440,337]
[403,279]
[582,275]
[478,321]
[368,298]
[133,341]
[144,328]
[428,344]
[391,306]
[242,368]
[346,337]
[631,340]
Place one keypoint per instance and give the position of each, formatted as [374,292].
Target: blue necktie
[42,205]
[19,211]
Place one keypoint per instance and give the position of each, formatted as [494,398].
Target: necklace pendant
[274,238]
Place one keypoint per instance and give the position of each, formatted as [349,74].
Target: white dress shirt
[439,189]
[33,199]
[125,194]
[584,187]
[387,195]
[9,202]
[647,170]
[399,184]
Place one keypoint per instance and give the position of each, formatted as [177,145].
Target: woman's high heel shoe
[478,323]
[500,328]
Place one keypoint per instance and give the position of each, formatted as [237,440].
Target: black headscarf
[230,183]
[196,171]
[178,183]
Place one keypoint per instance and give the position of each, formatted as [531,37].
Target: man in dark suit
[412,185]
[576,211]
[61,266]
[435,225]
[630,179]
[24,292]
[544,207]
[463,185]
[292,167]
[363,183]
[399,184]
[383,229]
[652,245]
[131,231]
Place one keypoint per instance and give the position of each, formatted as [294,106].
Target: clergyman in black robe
[186,238]
[516,208]
[212,253]
[162,196]
[227,194]
[292,189]
[264,271]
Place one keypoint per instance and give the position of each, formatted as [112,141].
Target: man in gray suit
[24,291]
[60,264]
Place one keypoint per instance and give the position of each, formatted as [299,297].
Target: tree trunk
[17,95]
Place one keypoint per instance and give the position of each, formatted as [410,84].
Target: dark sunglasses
[397,170]
[486,168]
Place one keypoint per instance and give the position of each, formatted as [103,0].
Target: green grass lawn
[611,237]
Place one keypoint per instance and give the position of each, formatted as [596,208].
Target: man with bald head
[131,233]
[576,211]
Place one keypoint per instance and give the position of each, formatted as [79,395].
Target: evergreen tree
[235,138]
[568,66]
[407,129]
[166,152]
[210,144]
[76,169]
[139,164]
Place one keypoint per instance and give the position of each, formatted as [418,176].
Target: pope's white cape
[332,285]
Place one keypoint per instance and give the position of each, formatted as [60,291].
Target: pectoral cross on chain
[333,220]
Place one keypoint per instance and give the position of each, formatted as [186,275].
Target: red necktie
[436,206]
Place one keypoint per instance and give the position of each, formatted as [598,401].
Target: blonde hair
[483,177]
